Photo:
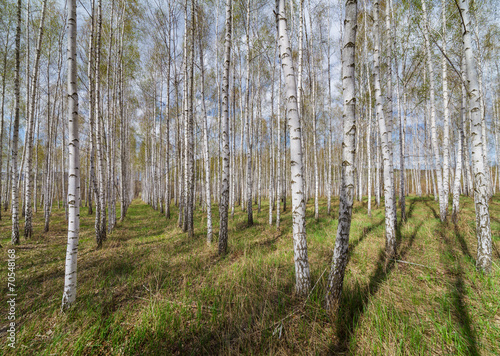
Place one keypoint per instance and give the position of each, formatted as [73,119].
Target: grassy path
[153,291]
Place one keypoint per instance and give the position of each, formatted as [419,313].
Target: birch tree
[460,148]
[483,228]
[248,124]
[15,136]
[28,228]
[446,114]
[69,294]
[390,217]
[302,274]
[224,199]
[340,252]
[435,148]
[206,155]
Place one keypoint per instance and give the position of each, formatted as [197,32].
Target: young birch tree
[340,253]
[224,199]
[483,228]
[435,148]
[446,112]
[206,155]
[390,217]
[15,136]
[248,125]
[69,293]
[28,227]
[302,274]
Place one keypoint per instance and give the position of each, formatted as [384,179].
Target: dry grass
[153,291]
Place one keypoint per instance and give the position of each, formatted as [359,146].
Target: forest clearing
[153,291]
[250,177]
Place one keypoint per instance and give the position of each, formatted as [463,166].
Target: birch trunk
[69,294]
[315,153]
[2,128]
[190,136]
[340,254]
[224,199]
[483,228]
[101,216]
[280,154]
[389,108]
[271,143]
[446,113]
[435,148]
[15,136]
[206,155]
[369,121]
[248,124]
[302,274]
[28,228]
[390,218]
[459,155]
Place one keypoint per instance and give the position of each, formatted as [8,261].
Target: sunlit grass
[153,291]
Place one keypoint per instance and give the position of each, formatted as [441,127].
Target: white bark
[369,119]
[483,228]
[206,155]
[340,254]
[248,125]
[28,228]
[390,217]
[459,155]
[435,148]
[69,293]
[302,274]
[99,127]
[224,199]
[315,153]
[15,136]
[446,133]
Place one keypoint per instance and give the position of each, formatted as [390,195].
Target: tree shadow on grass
[354,301]
[457,293]
[432,209]
[363,235]
[463,244]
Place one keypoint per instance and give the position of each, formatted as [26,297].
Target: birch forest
[288,177]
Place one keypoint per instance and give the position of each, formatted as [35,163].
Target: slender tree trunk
[280,154]
[2,128]
[302,274]
[15,136]
[206,155]
[249,125]
[167,114]
[459,155]
[101,216]
[434,140]
[340,253]
[30,128]
[69,294]
[389,108]
[271,142]
[315,153]
[483,228]
[224,199]
[446,129]
[369,120]
[390,218]
[189,136]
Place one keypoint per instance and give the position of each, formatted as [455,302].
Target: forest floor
[151,290]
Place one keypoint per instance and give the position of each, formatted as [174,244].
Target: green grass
[153,291]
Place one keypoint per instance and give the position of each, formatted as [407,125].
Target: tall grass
[153,291]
